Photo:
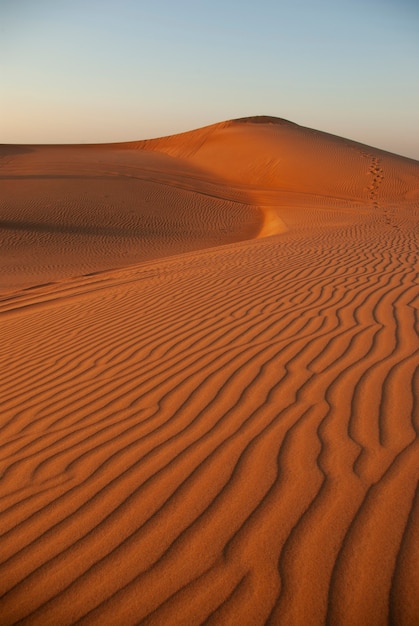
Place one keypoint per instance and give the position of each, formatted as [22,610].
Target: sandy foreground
[209,409]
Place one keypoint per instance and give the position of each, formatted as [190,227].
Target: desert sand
[209,409]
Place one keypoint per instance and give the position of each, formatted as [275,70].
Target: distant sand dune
[200,424]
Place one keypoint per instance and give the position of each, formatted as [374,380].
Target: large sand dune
[209,404]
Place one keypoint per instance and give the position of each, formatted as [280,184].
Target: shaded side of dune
[67,211]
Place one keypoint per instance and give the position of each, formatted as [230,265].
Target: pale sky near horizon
[119,70]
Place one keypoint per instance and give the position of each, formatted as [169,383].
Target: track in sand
[200,424]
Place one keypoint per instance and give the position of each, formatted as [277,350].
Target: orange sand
[208,357]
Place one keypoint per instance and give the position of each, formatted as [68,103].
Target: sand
[209,404]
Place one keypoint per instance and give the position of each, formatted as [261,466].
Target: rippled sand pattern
[227,435]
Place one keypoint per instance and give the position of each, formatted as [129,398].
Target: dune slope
[225,429]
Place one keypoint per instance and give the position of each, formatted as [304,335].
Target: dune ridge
[222,429]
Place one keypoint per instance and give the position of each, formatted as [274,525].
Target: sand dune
[209,381]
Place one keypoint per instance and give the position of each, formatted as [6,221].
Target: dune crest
[209,381]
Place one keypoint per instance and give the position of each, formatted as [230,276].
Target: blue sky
[114,70]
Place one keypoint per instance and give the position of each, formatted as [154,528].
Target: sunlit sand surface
[209,408]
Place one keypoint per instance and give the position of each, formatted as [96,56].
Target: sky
[78,71]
